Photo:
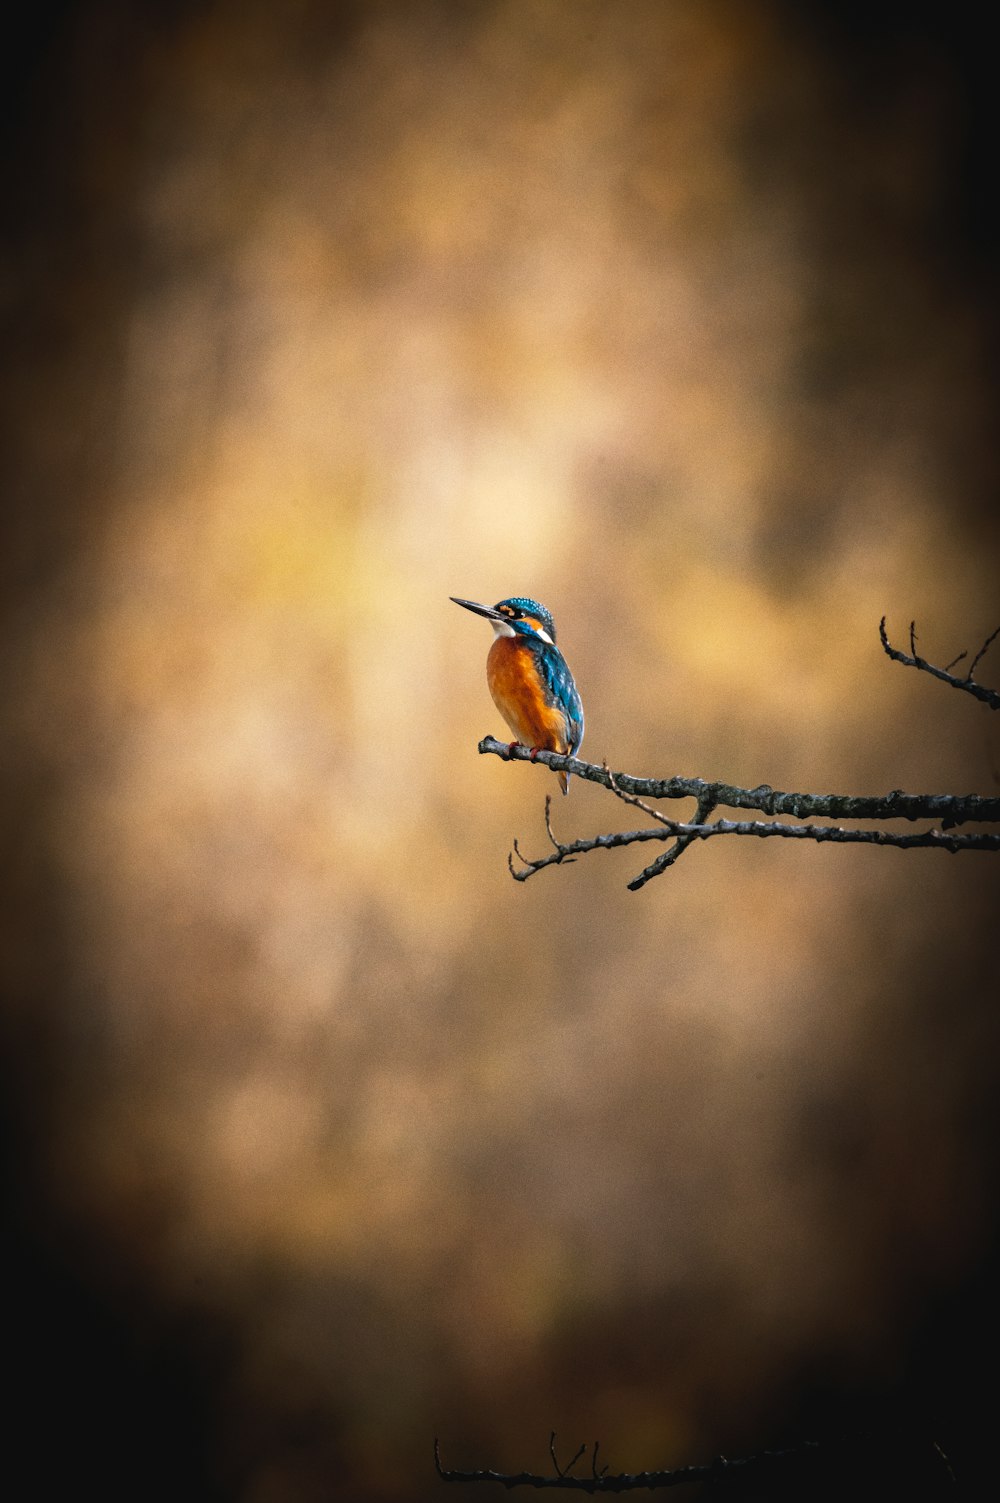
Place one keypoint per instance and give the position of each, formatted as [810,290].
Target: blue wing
[562,691]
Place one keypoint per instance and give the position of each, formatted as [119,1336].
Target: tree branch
[912,660]
[684,834]
[852,1461]
[600,1481]
[705,806]
[951,809]
[946,810]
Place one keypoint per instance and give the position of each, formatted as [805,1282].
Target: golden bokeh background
[325,1137]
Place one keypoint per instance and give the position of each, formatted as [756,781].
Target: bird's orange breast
[513,679]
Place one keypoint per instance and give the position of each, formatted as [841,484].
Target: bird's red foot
[534,750]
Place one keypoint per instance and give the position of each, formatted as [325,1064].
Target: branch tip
[982,652]
[989,697]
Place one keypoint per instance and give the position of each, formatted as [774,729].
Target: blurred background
[323,1137]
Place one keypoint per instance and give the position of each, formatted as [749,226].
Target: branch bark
[961,808]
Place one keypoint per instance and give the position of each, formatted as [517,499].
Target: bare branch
[564,1471]
[600,1481]
[578,848]
[822,834]
[945,811]
[913,660]
[684,834]
[635,801]
[948,810]
[594,1472]
[705,806]
[956,809]
[983,650]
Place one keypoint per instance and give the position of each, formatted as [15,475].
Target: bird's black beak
[480,610]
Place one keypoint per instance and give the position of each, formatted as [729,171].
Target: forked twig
[564,1471]
[913,660]
[705,806]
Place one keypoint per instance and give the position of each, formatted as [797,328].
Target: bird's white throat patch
[504,629]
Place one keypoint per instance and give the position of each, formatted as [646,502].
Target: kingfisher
[529,678]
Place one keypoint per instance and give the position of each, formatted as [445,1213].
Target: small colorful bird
[529,679]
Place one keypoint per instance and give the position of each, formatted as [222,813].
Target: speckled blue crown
[527,607]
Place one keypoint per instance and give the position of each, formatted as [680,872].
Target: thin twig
[988,696]
[942,1457]
[548,828]
[705,807]
[578,848]
[982,651]
[563,1471]
[635,801]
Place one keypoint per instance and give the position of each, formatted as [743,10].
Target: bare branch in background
[856,1460]
[600,1480]
[913,660]
[564,1471]
[945,810]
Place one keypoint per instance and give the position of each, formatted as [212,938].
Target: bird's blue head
[516,617]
